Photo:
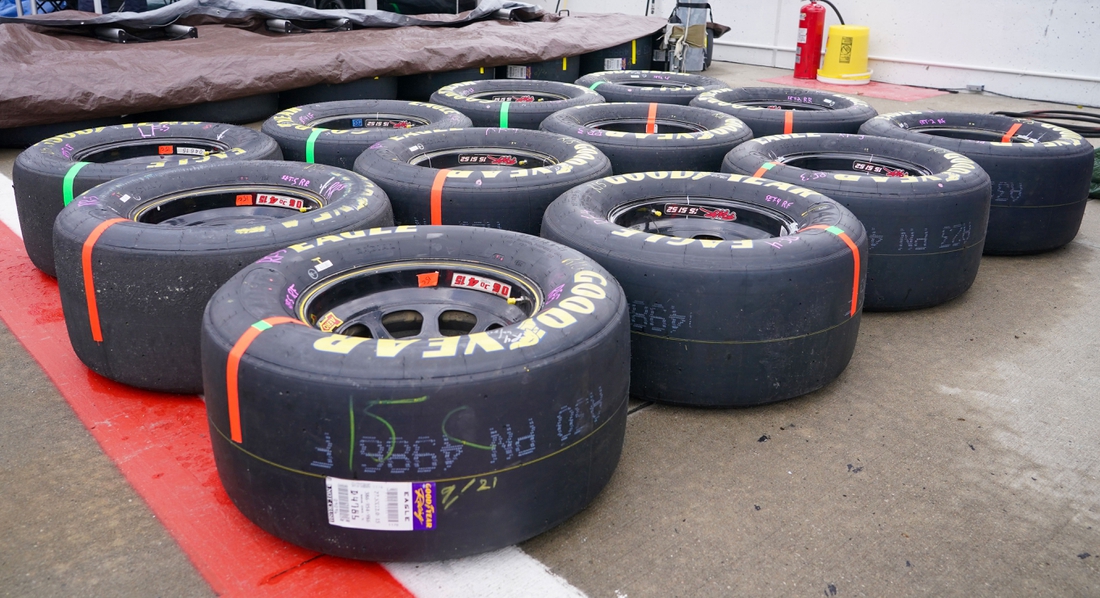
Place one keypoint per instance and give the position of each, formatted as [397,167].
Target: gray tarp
[47,75]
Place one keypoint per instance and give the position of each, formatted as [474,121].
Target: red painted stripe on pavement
[160,443]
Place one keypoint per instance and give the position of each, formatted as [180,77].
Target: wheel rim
[147,148]
[518,95]
[640,125]
[844,162]
[416,299]
[971,134]
[498,157]
[369,121]
[226,206]
[705,218]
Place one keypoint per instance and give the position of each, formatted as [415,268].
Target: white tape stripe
[503,574]
[8,215]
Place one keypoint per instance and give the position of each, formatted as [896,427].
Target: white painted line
[506,573]
[8,215]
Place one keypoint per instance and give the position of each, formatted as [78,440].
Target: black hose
[1055,117]
[834,10]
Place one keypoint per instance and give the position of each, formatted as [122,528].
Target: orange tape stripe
[788,122]
[765,167]
[437,196]
[651,120]
[1011,131]
[855,256]
[89,279]
[232,366]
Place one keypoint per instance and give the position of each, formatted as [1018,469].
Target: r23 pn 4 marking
[914,239]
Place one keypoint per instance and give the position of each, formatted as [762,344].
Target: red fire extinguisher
[811,27]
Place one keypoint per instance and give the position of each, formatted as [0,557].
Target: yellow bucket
[846,56]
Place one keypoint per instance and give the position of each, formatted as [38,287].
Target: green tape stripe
[311,142]
[504,114]
[261,326]
[836,231]
[67,185]
[596,84]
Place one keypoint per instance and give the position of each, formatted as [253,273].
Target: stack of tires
[416,325]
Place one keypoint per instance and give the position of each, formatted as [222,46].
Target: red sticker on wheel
[279,200]
[479,283]
[164,150]
[244,200]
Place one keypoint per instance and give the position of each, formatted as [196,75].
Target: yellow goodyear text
[583,153]
[589,288]
[627,233]
[636,177]
[236,151]
[419,133]
[70,135]
[789,188]
[772,138]
[1065,137]
[355,234]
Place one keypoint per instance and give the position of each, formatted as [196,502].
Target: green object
[596,84]
[67,184]
[1094,189]
[504,114]
[310,143]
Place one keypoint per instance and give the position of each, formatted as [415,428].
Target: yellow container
[846,56]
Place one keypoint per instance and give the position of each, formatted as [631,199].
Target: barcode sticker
[190,151]
[519,72]
[614,64]
[383,506]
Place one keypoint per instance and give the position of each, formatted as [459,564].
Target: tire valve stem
[515,300]
[656,213]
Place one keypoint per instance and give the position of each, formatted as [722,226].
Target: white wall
[1036,49]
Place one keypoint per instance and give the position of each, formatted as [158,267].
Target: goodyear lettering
[556,318]
[589,276]
[301,247]
[388,347]
[338,343]
[774,138]
[680,241]
[442,347]
[484,342]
